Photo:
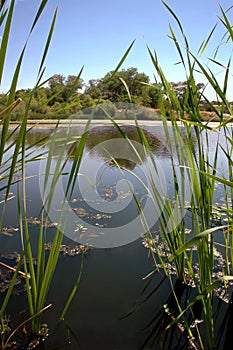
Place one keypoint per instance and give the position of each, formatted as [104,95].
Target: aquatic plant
[192,250]
[15,154]
[37,278]
[191,138]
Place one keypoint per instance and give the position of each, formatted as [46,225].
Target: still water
[117,306]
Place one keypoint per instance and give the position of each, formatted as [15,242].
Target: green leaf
[5,38]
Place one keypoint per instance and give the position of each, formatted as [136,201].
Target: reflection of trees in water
[99,135]
[96,135]
[104,133]
[35,136]
[38,136]
[124,163]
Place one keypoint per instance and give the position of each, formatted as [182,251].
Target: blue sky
[97,33]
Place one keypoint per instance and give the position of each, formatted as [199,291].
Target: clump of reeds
[191,163]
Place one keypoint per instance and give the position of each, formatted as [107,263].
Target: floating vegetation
[36,221]
[157,246]
[99,216]
[90,215]
[7,269]
[80,228]
[80,212]
[69,250]
[220,216]
[40,337]
[8,231]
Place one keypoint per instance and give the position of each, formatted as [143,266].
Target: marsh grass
[17,162]
[191,155]
[37,278]
[190,163]
[195,176]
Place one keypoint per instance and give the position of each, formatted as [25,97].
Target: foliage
[55,99]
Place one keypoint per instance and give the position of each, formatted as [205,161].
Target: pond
[119,304]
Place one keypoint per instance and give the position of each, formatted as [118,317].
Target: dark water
[115,307]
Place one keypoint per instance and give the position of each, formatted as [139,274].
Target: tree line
[63,96]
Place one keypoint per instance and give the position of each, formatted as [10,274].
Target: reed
[37,278]
[190,163]
[191,155]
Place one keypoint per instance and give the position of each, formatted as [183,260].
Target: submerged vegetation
[183,248]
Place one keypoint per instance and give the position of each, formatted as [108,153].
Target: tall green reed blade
[39,279]
[74,85]
[197,157]
[5,37]
[178,22]
[48,41]
[45,269]
[190,101]
[2,15]
[194,240]
[205,42]
[122,60]
[3,50]
[172,97]
[12,90]
[2,4]
[226,23]
[209,75]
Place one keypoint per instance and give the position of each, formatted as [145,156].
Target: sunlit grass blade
[5,38]
[194,241]
[3,14]
[122,60]
[39,13]
[177,20]
[205,43]
[212,81]
[127,88]
[226,23]
[48,41]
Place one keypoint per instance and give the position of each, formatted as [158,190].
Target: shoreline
[46,123]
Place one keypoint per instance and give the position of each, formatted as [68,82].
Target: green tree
[182,90]
[113,88]
[71,87]
[93,89]
[150,95]
[56,86]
